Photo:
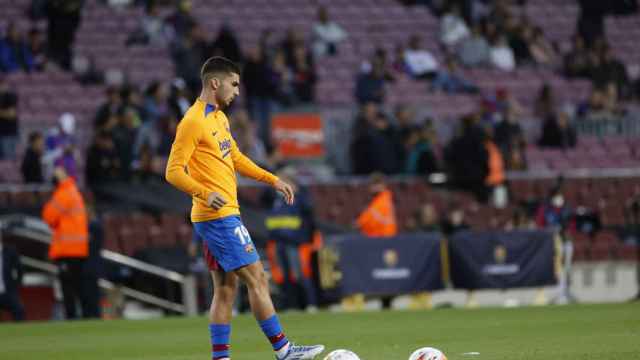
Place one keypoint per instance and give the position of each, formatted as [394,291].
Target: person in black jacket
[10,281]
[290,227]
[31,163]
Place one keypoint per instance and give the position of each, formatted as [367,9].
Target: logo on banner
[390,258]
[298,135]
[500,267]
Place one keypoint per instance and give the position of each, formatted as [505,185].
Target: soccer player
[203,161]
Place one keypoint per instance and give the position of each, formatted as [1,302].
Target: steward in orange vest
[379,218]
[66,215]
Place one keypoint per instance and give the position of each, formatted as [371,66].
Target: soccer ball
[427,353]
[341,354]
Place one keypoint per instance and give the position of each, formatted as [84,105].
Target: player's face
[228,90]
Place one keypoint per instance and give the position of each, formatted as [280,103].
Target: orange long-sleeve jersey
[204,159]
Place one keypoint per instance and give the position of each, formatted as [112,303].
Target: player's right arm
[188,135]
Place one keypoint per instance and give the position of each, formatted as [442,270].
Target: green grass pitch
[564,332]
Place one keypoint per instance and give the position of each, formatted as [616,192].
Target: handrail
[109,255]
[106,284]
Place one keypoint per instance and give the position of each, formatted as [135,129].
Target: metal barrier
[34,229]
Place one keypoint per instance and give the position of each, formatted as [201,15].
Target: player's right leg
[220,313]
[254,277]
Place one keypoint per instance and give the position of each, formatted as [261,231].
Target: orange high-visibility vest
[496,165]
[66,215]
[379,218]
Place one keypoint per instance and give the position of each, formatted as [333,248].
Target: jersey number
[243,234]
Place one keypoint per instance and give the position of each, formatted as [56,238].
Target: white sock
[283,350]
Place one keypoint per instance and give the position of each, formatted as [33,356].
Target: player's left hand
[286,190]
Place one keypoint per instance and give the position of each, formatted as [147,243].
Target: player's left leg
[220,313]
[254,277]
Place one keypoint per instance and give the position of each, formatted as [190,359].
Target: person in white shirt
[420,62]
[502,55]
[452,27]
[326,34]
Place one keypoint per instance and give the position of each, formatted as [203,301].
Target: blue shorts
[227,243]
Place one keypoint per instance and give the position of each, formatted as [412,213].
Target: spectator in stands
[373,148]
[545,104]
[403,129]
[452,27]
[144,171]
[8,120]
[63,18]
[327,34]
[188,52]
[304,75]
[168,127]
[427,218]
[268,44]
[155,102]
[467,158]
[226,45]
[32,161]
[420,62]
[590,23]
[542,51]
[37,48]
[421,158]
[597,106]
[380,55]
[108,111]
[370,87]
[576,62]
[258,83]
[15,53]
[611,70]
[449,80]
[152,28]
[86,71]
[292,39]
[520,220]
[557,132]
[508,131]
[244,132]
[66,214]
[10,281]
[282,80]
[179,99]
[60,147]
[454,221]
[181,20]
[398,64]
[103,165]
[501,55]
[554,213]
[520,37]
[132,99]
[474,50]
[124,136]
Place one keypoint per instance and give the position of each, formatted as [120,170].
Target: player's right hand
[216,201]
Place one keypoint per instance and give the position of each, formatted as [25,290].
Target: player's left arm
[248,168]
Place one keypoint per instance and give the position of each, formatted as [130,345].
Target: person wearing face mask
[556,215]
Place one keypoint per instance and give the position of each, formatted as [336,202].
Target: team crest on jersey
[248,248]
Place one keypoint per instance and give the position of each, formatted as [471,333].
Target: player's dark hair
[218,65]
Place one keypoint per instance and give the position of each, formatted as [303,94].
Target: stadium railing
[34,230]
